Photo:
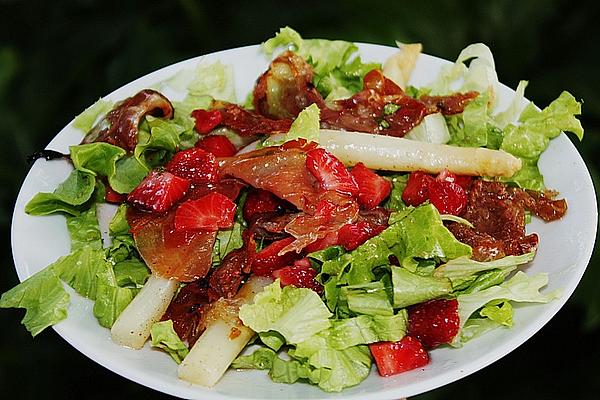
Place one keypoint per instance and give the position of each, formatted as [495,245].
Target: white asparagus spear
[132,328]
[397,154]
[223,339]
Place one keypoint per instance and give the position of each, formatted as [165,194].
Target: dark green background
[57,57]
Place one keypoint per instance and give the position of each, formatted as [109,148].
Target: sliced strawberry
[268,259]
[330,172]
[194,164]
[111,196]
[447,197]
[206,120]
[301,275]
[158,192]
[218,145]
[372,188]
[210,213]
[260,201]
[434,322]
[416,191]
[395,357]
[353,235]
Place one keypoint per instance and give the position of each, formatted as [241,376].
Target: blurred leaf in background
[58,57]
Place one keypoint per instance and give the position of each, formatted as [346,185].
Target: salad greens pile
[365,298]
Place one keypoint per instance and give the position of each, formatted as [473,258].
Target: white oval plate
[564,252]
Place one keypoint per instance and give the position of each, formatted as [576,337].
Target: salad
[336,219]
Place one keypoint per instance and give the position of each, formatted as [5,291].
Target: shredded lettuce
[296,313]
[84,230]
[411,288]
[163,336]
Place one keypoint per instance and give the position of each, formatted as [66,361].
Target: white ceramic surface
[564,253]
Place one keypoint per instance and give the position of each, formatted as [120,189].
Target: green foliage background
[57,57]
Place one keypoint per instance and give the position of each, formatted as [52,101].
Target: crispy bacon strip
[120,126]
[498,215]
[285,89]
[249,123]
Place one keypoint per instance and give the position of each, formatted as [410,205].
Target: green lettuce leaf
[367,298]
[501,314]
[129,172]
[261,358]
[366,329]
[84,230]
[296,313]
[519,288]
[411,288]
[227,241]
[68,197]
[131,273]
[215,80]
[463,267]
[157,143]
[96,158]
[85,121]
[530,138]
[163,336]
[395,202]
[43,297]
[111,299]
[80,270]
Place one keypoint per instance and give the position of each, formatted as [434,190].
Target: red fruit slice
[353,235]
[210,213]
[434,322]
[268,259]
[158,192]
[260,201]
[447,197]
[206,120]
[194,164]
[218,145]
[372,188]
[416,191]
[330,172]
[395,357]
[301,275]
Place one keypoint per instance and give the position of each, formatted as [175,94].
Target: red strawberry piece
[301,275]
[218,145]
[434,322]
[194,164]
[268,259]
[353,235]
[447,197]
[210,213]
[207,120]
[463,181]
[330,172]
[158,192]
[416,191]
[111,196]
[395,357]
[372,188]
[331,239]
[260,201]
